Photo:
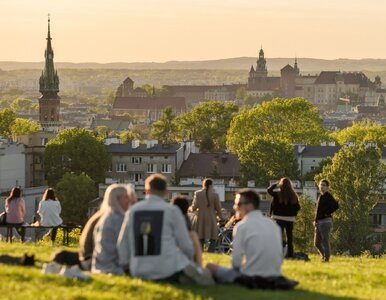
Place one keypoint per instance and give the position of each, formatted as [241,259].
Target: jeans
[322,239]
[288,227]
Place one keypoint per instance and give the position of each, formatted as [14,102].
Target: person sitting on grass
[257,244]
[116,202]
[182,203]
[154,242]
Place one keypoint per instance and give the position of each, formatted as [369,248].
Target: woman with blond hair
[284,208]
[206,203]
[117,200]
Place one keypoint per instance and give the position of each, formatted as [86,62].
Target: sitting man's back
[154,242]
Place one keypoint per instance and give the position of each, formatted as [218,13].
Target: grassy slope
[349,278]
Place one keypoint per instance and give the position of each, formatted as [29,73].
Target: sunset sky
[163,30]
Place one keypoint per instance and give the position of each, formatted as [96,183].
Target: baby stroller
[224,238]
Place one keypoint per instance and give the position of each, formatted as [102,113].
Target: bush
[304,229]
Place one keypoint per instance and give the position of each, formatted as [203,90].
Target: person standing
[49,211]
[326,205]
[15,210]
[207,204]
[284,208]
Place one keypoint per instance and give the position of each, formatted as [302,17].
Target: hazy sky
[162,30]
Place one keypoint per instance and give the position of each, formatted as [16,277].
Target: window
[166,168]
[136,160]
[43,141]
[151,168]
[121,167]
[136,177]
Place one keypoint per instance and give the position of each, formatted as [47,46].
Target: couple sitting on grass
[152,240]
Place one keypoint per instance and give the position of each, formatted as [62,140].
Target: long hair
[110,199]
[14,194]
[49,194]
[206,184]
[287,194]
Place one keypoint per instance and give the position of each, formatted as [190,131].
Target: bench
[66,231]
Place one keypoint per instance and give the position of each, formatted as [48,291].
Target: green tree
[75,150]
[360,132]
[165,129]
[263,160]
[101,132]
[24,126]
[289,120]
[75,192]
[7,118]
[110,98]
[356,177]
[304,229]
[25,105]
[207,124]
[127,136]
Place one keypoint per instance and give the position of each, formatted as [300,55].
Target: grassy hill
[342,278]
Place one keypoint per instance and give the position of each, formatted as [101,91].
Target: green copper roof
[49,80]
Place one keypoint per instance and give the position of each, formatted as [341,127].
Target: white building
[12,165]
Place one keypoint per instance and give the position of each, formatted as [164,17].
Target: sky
[163,30]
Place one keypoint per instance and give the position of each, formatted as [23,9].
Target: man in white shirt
[154,243]
[257,243]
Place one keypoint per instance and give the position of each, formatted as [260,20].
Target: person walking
[284,208]
[206,203]
[49,211]
[15,210]
[326,205]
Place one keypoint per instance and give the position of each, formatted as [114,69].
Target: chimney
[134,144]
[331,143]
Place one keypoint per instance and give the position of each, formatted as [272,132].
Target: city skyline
[159,31]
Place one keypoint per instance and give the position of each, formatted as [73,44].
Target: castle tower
[49,101]
[261,66]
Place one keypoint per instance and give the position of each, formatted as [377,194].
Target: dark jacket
[281,209]
[326,205]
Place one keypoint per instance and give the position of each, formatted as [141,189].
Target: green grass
[342,278]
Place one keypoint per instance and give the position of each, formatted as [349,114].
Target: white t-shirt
[49,211]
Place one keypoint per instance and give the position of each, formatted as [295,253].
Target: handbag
[3,218]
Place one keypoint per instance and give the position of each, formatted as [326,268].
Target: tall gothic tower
[49,101]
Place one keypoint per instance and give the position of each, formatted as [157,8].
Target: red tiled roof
[202,165]
[329,77]
[287,68]
[157,103]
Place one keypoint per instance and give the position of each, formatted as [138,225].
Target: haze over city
[154,30]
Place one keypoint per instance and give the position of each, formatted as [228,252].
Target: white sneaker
[74,272]
[199,275]
[51,268]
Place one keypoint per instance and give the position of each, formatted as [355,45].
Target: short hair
[250,196]
[113,191]
[325,181]
[156,182]
[182,203]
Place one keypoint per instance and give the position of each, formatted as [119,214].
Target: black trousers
[287,227]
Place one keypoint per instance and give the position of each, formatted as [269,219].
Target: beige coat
[206,224]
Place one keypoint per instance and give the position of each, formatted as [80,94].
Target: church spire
[296,68]
[49,80]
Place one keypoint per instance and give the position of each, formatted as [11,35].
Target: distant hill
[307,65]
